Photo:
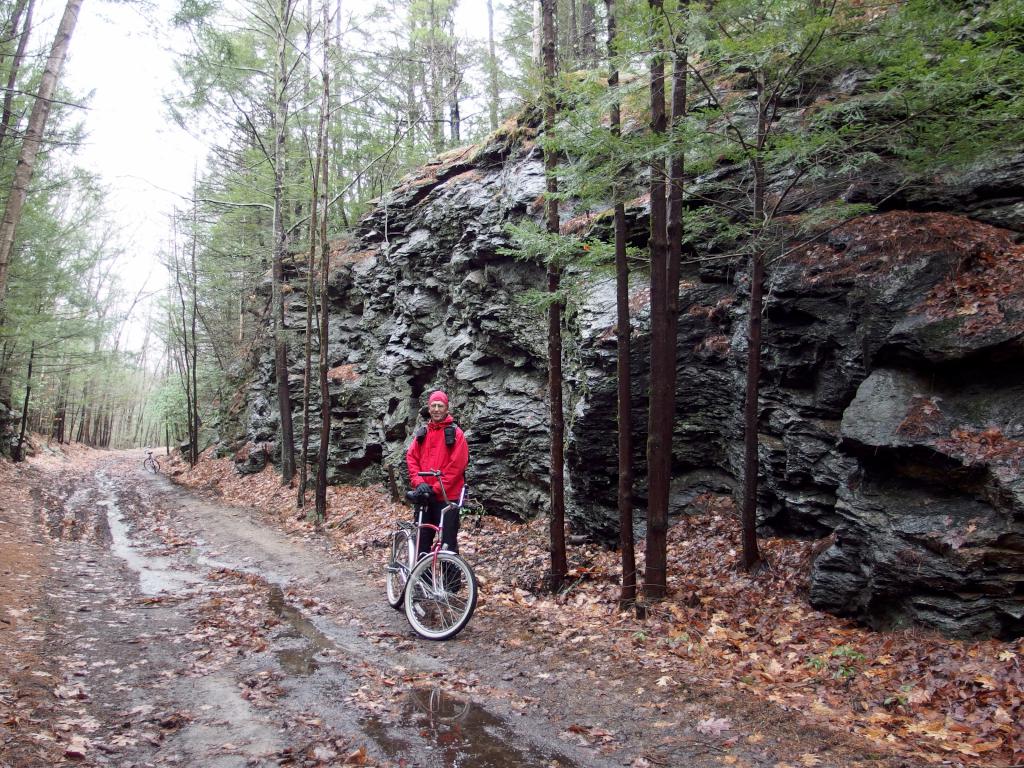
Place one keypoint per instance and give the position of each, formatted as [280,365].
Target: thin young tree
[285,11]
[26,7]
[320,498]
[186,356]
[194,313]
[624,431]
[33,139]
[559,565]
[307,369]
[493,92]
[659,451]
[792,35]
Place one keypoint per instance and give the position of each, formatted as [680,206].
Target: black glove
[421,495]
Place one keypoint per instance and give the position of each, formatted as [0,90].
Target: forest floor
[203,622]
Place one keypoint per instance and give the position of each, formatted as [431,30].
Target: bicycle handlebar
[437,473]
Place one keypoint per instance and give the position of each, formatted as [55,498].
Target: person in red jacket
[439,445]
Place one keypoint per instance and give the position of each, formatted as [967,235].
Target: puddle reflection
[300,661]
[455,732]
[440,706]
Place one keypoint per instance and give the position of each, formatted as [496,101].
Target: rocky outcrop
[890,411]
[928,510]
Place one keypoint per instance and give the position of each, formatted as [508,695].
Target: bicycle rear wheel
[441,596]
[151,465]
[399,565]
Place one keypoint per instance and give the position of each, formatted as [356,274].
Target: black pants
[432,515]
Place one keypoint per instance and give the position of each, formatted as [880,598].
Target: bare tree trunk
[659,455]
[284,402]
[664,343]
[85,416]
[19,55]
[307,370]
[572,37]
[61,415]
[320,500]
[492,69]
[588,34]
[19,454]
[558,558]
[194,413]
[538,31]
[751,553]
[6,358]
[434,72]
[454,82]
[186,357]
[624,399]
[32,141]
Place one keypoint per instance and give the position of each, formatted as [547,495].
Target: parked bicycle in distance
[438,592]
[150,464]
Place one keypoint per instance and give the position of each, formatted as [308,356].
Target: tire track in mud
[183,633]
[210,637]
[365,679]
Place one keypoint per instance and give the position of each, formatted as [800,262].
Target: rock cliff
[891,412]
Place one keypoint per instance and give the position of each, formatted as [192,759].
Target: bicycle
[439,705]
[150,464]
[439,590]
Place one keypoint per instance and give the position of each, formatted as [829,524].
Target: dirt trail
[168,630]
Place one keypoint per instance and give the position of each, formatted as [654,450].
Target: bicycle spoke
[441,599]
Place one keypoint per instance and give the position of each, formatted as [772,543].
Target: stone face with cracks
[889,414]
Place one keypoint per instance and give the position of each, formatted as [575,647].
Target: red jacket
[432,453]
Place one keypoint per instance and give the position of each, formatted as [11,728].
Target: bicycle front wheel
[441,596]
[399,565]
[150,465]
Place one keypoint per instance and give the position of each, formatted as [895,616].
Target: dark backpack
[449,434]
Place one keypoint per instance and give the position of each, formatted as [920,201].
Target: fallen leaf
[714,726]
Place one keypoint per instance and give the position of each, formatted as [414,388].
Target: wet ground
[169,630]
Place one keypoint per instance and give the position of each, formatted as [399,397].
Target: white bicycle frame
[438,529]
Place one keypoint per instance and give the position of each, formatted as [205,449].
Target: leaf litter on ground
[910,691]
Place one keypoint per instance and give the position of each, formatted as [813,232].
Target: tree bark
[194,413]
[588,34]
[19,454]
[557,471]
[186,357]
[60,417]
[659,454]
[454,82]
[19,55]
[624,398]
[284,402]
[434,72]
[307,370]
[33,140]
[538,32]
[320,497]
[492,69]
[751,554]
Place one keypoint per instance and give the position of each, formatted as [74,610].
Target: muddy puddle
[449,729]
[455,732]
[156,574]
[300,660]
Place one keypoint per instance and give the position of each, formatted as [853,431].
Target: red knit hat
[436,396]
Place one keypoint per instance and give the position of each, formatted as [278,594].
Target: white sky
[119,51]
[124,53]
